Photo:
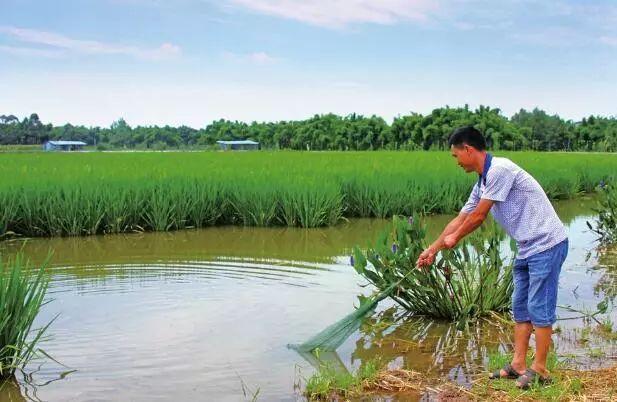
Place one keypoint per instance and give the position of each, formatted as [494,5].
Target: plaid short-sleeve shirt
[520,206]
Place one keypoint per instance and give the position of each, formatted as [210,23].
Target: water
[207,314]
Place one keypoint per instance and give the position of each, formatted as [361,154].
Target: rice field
[62,194]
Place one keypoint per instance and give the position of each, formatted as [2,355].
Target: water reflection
[217,307]
[10,391]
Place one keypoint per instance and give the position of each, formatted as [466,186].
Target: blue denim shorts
[536,279]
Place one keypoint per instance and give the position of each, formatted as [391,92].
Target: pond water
[207,314]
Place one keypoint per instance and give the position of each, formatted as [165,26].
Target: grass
[372,378]
[329,383]
[21,298]
[467,282]
[567,385]
[71,194]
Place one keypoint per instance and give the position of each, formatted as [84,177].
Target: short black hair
[467,135]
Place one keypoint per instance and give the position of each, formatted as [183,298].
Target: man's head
[468,146]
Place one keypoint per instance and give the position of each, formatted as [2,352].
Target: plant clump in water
[606,224]
[469,281]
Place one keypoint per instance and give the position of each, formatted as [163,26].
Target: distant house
[243,145]
[63,145]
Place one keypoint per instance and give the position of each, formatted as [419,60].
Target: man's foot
[506,372]
[531,377]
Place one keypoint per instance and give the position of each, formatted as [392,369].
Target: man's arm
[454,231]
[471,223]
[449,229]
[428,256]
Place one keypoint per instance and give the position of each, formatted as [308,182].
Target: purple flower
[394,247]
[602,183]
[410,220]
[351,260]
[447,272]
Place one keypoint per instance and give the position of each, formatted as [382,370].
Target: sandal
[531,377]
[511,373]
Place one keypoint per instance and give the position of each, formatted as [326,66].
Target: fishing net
[463,284]
[333,336]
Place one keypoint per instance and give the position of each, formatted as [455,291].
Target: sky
[189,62]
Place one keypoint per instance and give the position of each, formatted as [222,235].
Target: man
[520,206]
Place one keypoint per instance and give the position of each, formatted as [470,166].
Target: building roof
[66,142]
[240,142]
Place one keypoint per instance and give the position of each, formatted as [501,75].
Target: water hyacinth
[447,272]
[464,283]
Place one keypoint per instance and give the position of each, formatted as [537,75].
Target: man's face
[464,156]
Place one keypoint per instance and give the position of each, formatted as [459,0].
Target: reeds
[44,194]
[464,283]
[21,297]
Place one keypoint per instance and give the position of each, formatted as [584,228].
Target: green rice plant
[87,193]
[387,197]
[605,225]
[21,298]
[75,211]
[8,211]
[310,207]
[357,197]
[30,219]
[467,282]
[207,206]
[563,188]
[121,214]
[184,198]
[256,207]
[159,212]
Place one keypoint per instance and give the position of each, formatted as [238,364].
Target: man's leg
[544,270]
[543,344]
[523,327]
[522,332]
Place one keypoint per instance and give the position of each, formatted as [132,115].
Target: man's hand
[426,258]
[450,240]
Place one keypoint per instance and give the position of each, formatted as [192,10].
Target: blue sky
[192,61]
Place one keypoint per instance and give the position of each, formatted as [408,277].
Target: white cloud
[259,58]
[554,36]
[32,52]
[340,13]
[347,84]
[609,40]
[58,41]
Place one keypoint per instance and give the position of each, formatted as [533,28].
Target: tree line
[525,130]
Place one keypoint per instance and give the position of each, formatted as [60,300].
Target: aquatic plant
[22,294]
[605,225]
[464,283]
